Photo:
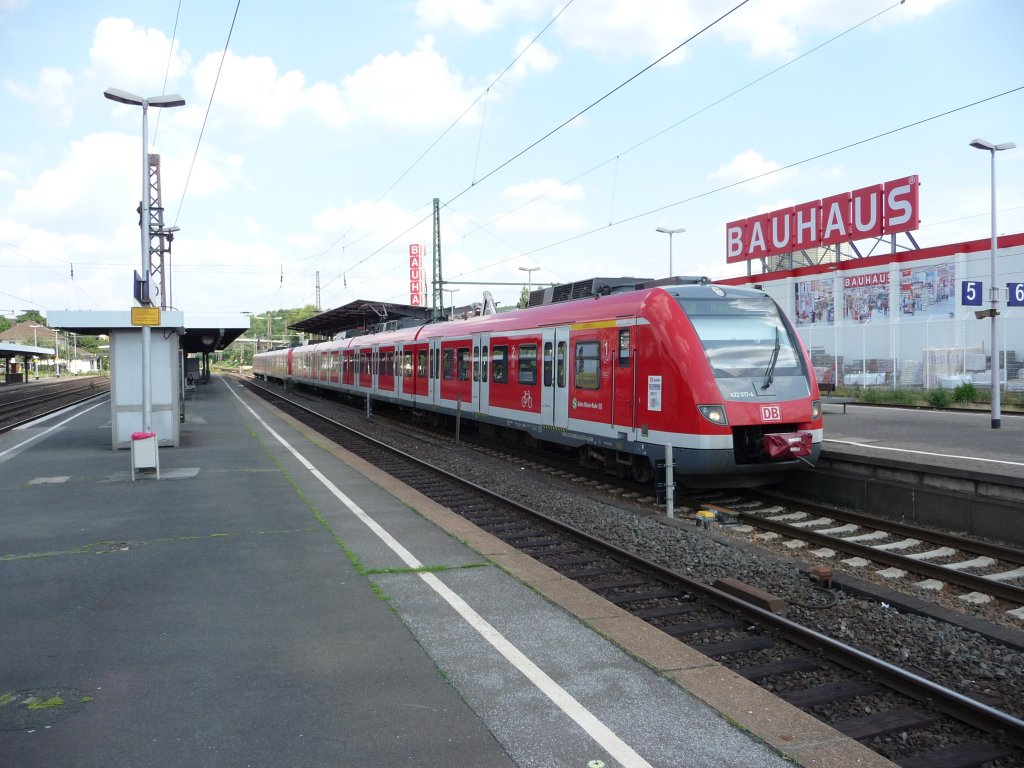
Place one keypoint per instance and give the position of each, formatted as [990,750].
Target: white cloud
[251,88]
[648,28]
[536,58]
[50,91]
[544,207]
[771,28]
[133,58]
[477,15]
[749,165]
[65,195]
[418,88]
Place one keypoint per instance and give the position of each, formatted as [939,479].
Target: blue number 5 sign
[970,293]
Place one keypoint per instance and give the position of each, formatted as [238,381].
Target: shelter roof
[361,314]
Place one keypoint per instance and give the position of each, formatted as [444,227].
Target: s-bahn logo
[771,413]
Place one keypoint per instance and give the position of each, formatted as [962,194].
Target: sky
[557,136]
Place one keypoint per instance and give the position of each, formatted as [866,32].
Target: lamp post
[35,343]
[670,232]
[529,278]
[994,290]
[56,356]
[451,301]
[169,100]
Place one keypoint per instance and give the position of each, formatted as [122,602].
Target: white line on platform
[597,730]
[14,448]
[926,453]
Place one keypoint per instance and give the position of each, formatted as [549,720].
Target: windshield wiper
[769,374]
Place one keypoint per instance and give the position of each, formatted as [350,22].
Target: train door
[335,366]
[481,364]
[400,371]
[554,404]
[434,380]
[623,382]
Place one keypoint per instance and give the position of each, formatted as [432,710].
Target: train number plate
[771,413]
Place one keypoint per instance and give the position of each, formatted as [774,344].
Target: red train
[715,372]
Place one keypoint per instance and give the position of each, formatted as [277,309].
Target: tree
[524,298]
[30,315]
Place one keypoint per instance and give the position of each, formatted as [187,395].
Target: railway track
[906,716]
[982,571]
[25,404]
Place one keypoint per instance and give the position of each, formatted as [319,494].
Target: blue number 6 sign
[1016,291]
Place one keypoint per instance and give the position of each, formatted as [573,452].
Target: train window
[462,361]
[476,363]
[421,364]
[624,348]
[499,364]
[528,364]
[483,365]
[560,364]
[448,364]
[549,354]
[744,337]
[588,365]
[407,365]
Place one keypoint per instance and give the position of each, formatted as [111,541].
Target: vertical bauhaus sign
[881,209]
[417,281]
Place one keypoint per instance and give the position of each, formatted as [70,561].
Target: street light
[670,232]
[35,342]
[529,279]
[451,301]
[168,100]
[994,290]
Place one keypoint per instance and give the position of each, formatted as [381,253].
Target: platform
[265,604]
[961,440]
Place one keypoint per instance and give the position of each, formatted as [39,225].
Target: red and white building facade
[905,318]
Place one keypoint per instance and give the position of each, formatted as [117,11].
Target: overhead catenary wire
[456,121]
[206,117]
[619,155]
[765,174]
[562,125]
[167,69]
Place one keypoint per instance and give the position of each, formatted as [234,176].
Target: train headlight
[815,410]
[713,413]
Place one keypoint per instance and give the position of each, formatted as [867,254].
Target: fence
[937,352]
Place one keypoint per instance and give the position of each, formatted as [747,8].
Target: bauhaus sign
[881,209]
[416,278]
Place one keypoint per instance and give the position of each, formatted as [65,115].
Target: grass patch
[50,703]
[6,698]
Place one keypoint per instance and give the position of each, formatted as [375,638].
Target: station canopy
[363,315]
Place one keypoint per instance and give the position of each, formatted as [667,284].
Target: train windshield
[744,338]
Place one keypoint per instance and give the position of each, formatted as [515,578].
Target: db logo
[771,413]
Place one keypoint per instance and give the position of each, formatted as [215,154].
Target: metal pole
[670,483]
[670,260]
[147,374]
[994,295]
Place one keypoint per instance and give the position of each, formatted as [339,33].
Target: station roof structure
[361,314]
[197,332]
[9,349]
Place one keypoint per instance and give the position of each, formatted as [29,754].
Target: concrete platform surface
[942,439]
[265,604]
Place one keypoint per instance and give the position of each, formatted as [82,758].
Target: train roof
[620,302]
